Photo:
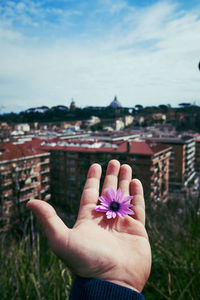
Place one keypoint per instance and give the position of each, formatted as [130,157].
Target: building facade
[182,161]
[70,161]
[197,160]
[24,175]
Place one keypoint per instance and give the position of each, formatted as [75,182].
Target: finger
[53,227]
[136,190]
[90,193]
[125,175]
[111,178]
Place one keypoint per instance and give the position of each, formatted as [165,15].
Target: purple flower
[114,204]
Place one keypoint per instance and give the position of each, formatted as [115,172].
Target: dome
[115,103]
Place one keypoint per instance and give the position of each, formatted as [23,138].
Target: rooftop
[173,140]
[134,147]
[115,103]
[10,151]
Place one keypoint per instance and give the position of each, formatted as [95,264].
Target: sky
[143,52]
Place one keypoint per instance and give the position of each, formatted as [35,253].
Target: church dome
[115,103]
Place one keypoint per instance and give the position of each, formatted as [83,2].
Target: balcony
[45,179]
[189,161]
[44,162]
[44,189]
[47,197]
[29,196]
[189,156]
[43,171]
[7,194]
[191,146]
[7,182]
[153,169]
[189,178]
[30,186]
[34,174]
[22,168]
[6,171]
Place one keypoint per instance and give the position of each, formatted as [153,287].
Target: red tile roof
[9,151]
[146,148]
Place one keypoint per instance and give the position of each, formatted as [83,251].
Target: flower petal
[109,214]
[104,199]
[120,215]
[111,194]
[105,204]
[114,214]
[127,199]
[124,205]
[119,195]
[126,211]
[101,208]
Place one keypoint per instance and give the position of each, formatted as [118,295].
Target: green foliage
[61,113]
[29,270]
[174,236]
[185,117]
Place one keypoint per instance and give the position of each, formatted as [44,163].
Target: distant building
[182,161]
[24,175]
[73,105]
[119,124]
[92,121]
[74,124]
[150,164]
[5,131]
[115,103]
[128,120]
[5,126]
[70,160]
[158,117]
[197,160]
[24,127]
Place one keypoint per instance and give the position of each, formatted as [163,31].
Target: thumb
[53,227]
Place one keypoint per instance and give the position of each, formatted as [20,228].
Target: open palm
[115,250]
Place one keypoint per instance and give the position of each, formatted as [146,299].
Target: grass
[174,236]
[29,270]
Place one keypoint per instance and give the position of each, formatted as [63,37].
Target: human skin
[116,250]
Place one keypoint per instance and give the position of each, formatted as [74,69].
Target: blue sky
[144,52]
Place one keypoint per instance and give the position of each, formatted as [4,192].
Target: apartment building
[150,164]
[24,175]
[70,160]
[197,160]
[182,161]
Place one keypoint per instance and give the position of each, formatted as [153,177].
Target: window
[72,154]
[71,162]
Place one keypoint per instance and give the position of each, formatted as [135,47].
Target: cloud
[145,55]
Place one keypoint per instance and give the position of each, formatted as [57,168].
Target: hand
[116,250]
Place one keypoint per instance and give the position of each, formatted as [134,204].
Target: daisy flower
[114,205]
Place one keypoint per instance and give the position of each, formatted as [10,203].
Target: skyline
[144,53]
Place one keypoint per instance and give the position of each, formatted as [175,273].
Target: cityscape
[50,160]
[85,82]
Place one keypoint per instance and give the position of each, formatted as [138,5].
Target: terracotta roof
[9,151]
[146,148]
[34,143]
